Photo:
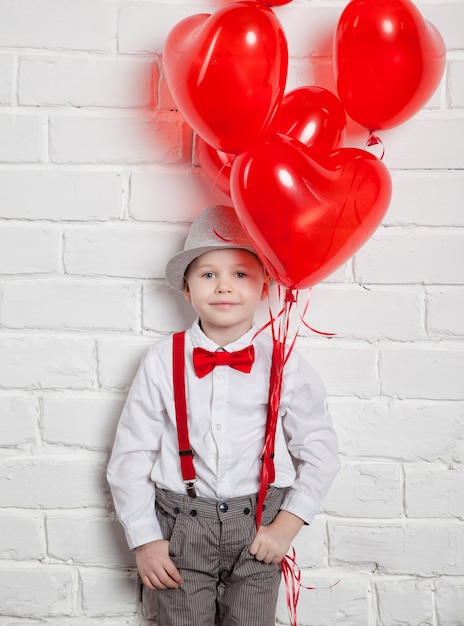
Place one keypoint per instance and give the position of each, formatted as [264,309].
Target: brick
[18,420]
[403,430]
[126,251]
[69,304]
[22,536]
[422,371]
[446,17]
[333,600]
[115,140]
[414,548]
[177,194]
[36,591]
[372,313]
[78,82]
[309,30]
[450,601]
[88,421]
[53,482]
[408,146]
[143,27]
[311,544]
[22,140]
[45,195]
[87,539]
[434,491]
[418,256]
[46,362]
[28,250]
[444,317]
[106,592]
[67,24]
[118,360]
[175,313]
[6,79]
[394,601]
[426,198]
[456,83]
[345,368]
[366,489]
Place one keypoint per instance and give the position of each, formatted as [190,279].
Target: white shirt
[227,420]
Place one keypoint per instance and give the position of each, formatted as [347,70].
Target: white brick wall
[97,185]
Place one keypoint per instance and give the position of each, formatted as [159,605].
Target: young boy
[194,534]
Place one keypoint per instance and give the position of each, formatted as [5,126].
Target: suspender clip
[190,487]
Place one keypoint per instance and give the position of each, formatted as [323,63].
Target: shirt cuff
[142,532]
[301,505]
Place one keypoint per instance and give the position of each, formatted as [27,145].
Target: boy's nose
[223,285]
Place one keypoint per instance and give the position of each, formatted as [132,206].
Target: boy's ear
[267,282]
[187,295]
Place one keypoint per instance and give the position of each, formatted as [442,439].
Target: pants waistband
[219,509]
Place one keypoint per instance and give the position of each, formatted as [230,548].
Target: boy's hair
[217,227]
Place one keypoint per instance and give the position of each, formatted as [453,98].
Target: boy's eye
[240,274]
[208,274]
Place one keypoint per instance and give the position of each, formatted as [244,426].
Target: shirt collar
[200,340]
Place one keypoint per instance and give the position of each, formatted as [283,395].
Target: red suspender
[178,376]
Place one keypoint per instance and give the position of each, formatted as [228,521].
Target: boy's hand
[155,566]
[272,542]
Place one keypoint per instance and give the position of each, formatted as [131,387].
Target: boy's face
[225,288]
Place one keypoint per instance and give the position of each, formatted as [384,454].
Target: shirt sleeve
[136,445]
[311,439]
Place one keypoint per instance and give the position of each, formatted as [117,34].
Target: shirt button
[218,426]
[223,507]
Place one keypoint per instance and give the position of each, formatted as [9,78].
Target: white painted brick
[18,421]
[88,422]
[87,538]
[396,607]
[36,591]
[345,368]
[309,30]
[414,548]
[444,316]
[124,250]
[371,313]
[143,27]
[407,431]
[456,83]
[22,139]
[46,195]
[53,482]
[366,490]
[411,256]
[107,592]
[78,82]
[450,601]
[423,371]
[409,146]
[119,359]
[69,304]
[426,198]
[311,545]
[67,24]
[109,139]
[447,18]
[46,362]
[22,536]
[175,314]
[28,250]
[6,79]
[327,603]
[172,195]
[435,491]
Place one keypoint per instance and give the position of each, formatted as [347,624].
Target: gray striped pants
[209,544]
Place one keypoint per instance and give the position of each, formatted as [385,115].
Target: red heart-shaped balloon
[227,72]
[313,115]
[388,61]
[306,214]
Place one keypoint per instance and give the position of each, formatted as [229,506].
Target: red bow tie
[204,361]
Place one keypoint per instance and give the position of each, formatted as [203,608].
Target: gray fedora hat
[216,227]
